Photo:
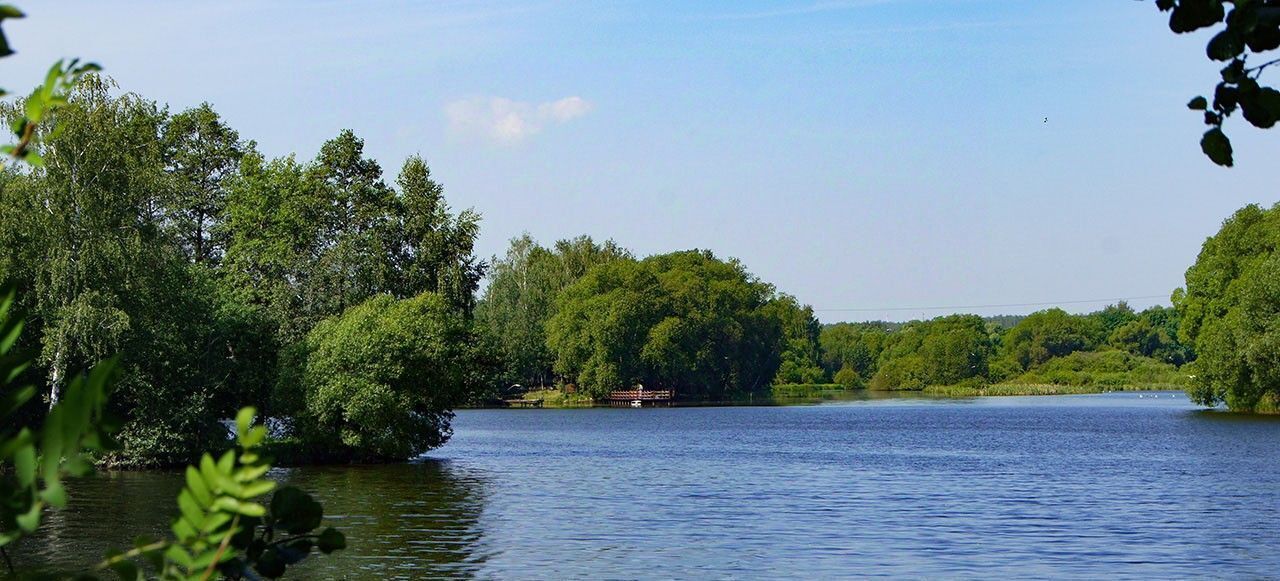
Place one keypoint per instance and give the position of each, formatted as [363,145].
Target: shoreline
[553,399]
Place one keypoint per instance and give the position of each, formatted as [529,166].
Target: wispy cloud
[507,122]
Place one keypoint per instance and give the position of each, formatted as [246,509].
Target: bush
[848,378]
[380,381]
[905,373]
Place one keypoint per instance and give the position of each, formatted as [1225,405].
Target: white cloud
[508,122]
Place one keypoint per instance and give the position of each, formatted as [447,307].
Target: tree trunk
[57,375]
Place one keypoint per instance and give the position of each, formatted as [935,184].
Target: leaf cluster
[223,527]
[1251,27]
[35,459]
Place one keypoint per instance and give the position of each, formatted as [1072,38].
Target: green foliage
[685,321]
[41,105]
[848,378]
[1108,368]
[1251,28]
[1230,313]
[222,528]
[941,351]
[854,345]
[1154,333]
[380,381]
[1047,334]
[307,241]
[34,459]
[521,298]
[801,351]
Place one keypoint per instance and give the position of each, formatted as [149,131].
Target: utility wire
[1007,305]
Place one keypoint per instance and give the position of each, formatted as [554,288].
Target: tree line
[170,240]
[344,303]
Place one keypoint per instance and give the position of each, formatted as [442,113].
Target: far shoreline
[811,394]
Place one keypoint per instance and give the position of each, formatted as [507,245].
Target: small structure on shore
[641,397]
[523,403]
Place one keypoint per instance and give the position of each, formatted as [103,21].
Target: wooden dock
[641,397]
[523,403]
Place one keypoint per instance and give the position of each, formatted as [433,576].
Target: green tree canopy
[854,345]
[521,298]
[941,351]
[801,352]
[1231,313]
[684,320]
[381,380]
[1047,334]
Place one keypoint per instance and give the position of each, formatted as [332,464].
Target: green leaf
[29,520]
[1191,15]
[34,107]
[54,493]
[8,11]
[179,555]
[260,488]
[24,466]
[1269,99]
[190,508]
[1225,46]
[9,333]
[331,540]
[1216,145]
[183,529]
[199,491]
[296,511]
[1198,104]
[244,420]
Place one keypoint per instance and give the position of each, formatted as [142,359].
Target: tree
[800,336]
[848,378]
[1230,313]
[201,153]
[941,351]
[435,247]
[521,298]
[380,381]
[1047,334]
[854,345]
[1154,333]
[1251,28]
[1111,318]
[684,320]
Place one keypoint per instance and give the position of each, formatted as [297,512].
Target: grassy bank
[1039,389]
[556,398]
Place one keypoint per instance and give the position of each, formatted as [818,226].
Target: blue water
[1114,485]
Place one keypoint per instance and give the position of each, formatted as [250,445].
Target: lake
[1114,485]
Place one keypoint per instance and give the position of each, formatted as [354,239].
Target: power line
[1007,305]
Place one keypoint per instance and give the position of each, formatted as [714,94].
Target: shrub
[380,381]
[848,378]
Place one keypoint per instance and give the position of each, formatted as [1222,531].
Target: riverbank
[813,393]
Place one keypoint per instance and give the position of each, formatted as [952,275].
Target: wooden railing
[642,395]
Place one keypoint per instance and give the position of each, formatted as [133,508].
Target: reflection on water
[1082,487]
[402,522]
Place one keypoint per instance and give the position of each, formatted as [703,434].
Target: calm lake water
[1113,485]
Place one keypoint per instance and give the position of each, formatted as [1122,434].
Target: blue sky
[874,154]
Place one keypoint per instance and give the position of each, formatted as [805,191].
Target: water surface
[1115,485]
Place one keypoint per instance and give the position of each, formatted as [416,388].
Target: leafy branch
[1251,27]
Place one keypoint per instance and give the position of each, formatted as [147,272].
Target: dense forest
[344,303]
